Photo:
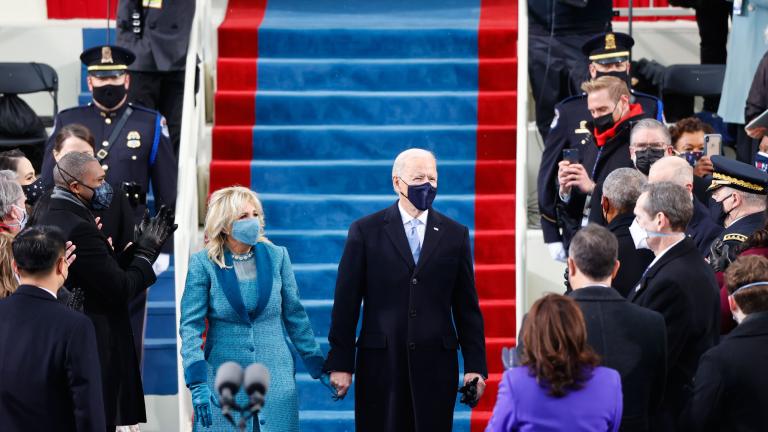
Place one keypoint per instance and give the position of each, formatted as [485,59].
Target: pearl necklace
[244,257]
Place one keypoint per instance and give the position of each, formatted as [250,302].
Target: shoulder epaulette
[638,94]
[735,237]
[572,98]
[143,108]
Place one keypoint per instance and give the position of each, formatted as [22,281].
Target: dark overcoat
[405,360]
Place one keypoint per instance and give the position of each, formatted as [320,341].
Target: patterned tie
[413,239]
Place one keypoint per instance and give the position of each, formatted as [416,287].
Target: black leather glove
[154,234]
[719,256]
[469,393]
[76,299]
[138,229]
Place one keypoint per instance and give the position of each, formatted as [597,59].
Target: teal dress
[252,308]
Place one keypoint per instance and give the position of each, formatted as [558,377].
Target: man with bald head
[701,228]
[411,268]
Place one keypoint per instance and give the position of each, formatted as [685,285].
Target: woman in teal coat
[244,287]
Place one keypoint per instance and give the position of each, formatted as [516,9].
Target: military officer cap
[608,48]
[738,175]
[107,60]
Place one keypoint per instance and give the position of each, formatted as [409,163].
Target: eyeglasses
[641,146]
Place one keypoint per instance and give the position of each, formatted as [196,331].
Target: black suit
[405,359]
[632,340]
[731,391]
[49,371]
[633,261]
[108,287]
[682,287]
[702,228]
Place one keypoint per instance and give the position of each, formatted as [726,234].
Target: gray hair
[10,193]
[622,187]
[673,200]
[750,199]
[8,175]
[650,124]
[671,169]
[71,167]
[594,251]
[402,159]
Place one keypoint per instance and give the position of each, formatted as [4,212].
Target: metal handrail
[192,132]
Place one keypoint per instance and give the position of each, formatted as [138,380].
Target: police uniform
[572,128]
[141,151]
[747,178]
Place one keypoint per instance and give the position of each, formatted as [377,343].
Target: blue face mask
[247,231]
[421,196]
[692,157]
[102,196]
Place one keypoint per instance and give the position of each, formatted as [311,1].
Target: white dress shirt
[420,228]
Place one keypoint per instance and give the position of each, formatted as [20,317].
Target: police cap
[738,175]
[107,60]
[608,48]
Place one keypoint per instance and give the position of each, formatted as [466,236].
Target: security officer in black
[739,190]
[132,145]
[609,54]
[157,32]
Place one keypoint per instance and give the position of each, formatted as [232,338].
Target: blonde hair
[8,283]
[616,87]
[224,207]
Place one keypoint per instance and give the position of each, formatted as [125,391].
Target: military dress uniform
[572,127]
[744,177]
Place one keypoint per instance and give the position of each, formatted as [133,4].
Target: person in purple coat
[559,385]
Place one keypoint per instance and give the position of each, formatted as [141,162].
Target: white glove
[163,261]
[557,251]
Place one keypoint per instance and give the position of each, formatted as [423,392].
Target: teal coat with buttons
[248,322]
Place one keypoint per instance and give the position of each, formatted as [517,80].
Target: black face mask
[604,122]
[110,95]
[624,76]
[421,196]
[717,211]
[644,159]
[33,191]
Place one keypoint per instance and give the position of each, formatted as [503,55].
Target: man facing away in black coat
[49,372]
[621,189]
[108,279]
[731,386]
[628,338]
[411,268]
[680,285]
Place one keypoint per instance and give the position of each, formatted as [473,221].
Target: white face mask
[641,235]
[22,221]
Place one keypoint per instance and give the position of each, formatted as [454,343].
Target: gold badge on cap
[610,41]
[134,139]
[106,55]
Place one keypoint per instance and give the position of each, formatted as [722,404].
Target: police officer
[609,54]
[739,191]
[157,32]
[132,146]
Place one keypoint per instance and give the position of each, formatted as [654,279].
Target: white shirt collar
[53,294]
[661,254]
[408,218]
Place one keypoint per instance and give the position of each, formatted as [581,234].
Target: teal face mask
[247,231]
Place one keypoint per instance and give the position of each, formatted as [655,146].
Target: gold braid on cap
[609,55]
[738,182]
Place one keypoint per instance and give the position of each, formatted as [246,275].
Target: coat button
[133,157]
[412,346]
[105,167]
[105,143]
[414,281]
[251,348]
[262,422]
[108,120]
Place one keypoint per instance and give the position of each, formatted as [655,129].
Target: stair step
[344,421]
[318,281]
[444,74]
[358,142]
[161,319]
[326,246]
[361,108]
[159,371]
[362,177]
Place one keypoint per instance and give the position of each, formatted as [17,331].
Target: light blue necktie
[413,239]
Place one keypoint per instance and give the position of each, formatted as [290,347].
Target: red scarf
[602,138]
[5,228]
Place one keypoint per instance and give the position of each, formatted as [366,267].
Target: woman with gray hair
[244,287]
[13,213]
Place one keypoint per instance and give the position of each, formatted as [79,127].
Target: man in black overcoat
[108,279]
[680,285]
[49,372]
[731,386]
[411,268]
[628,338]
